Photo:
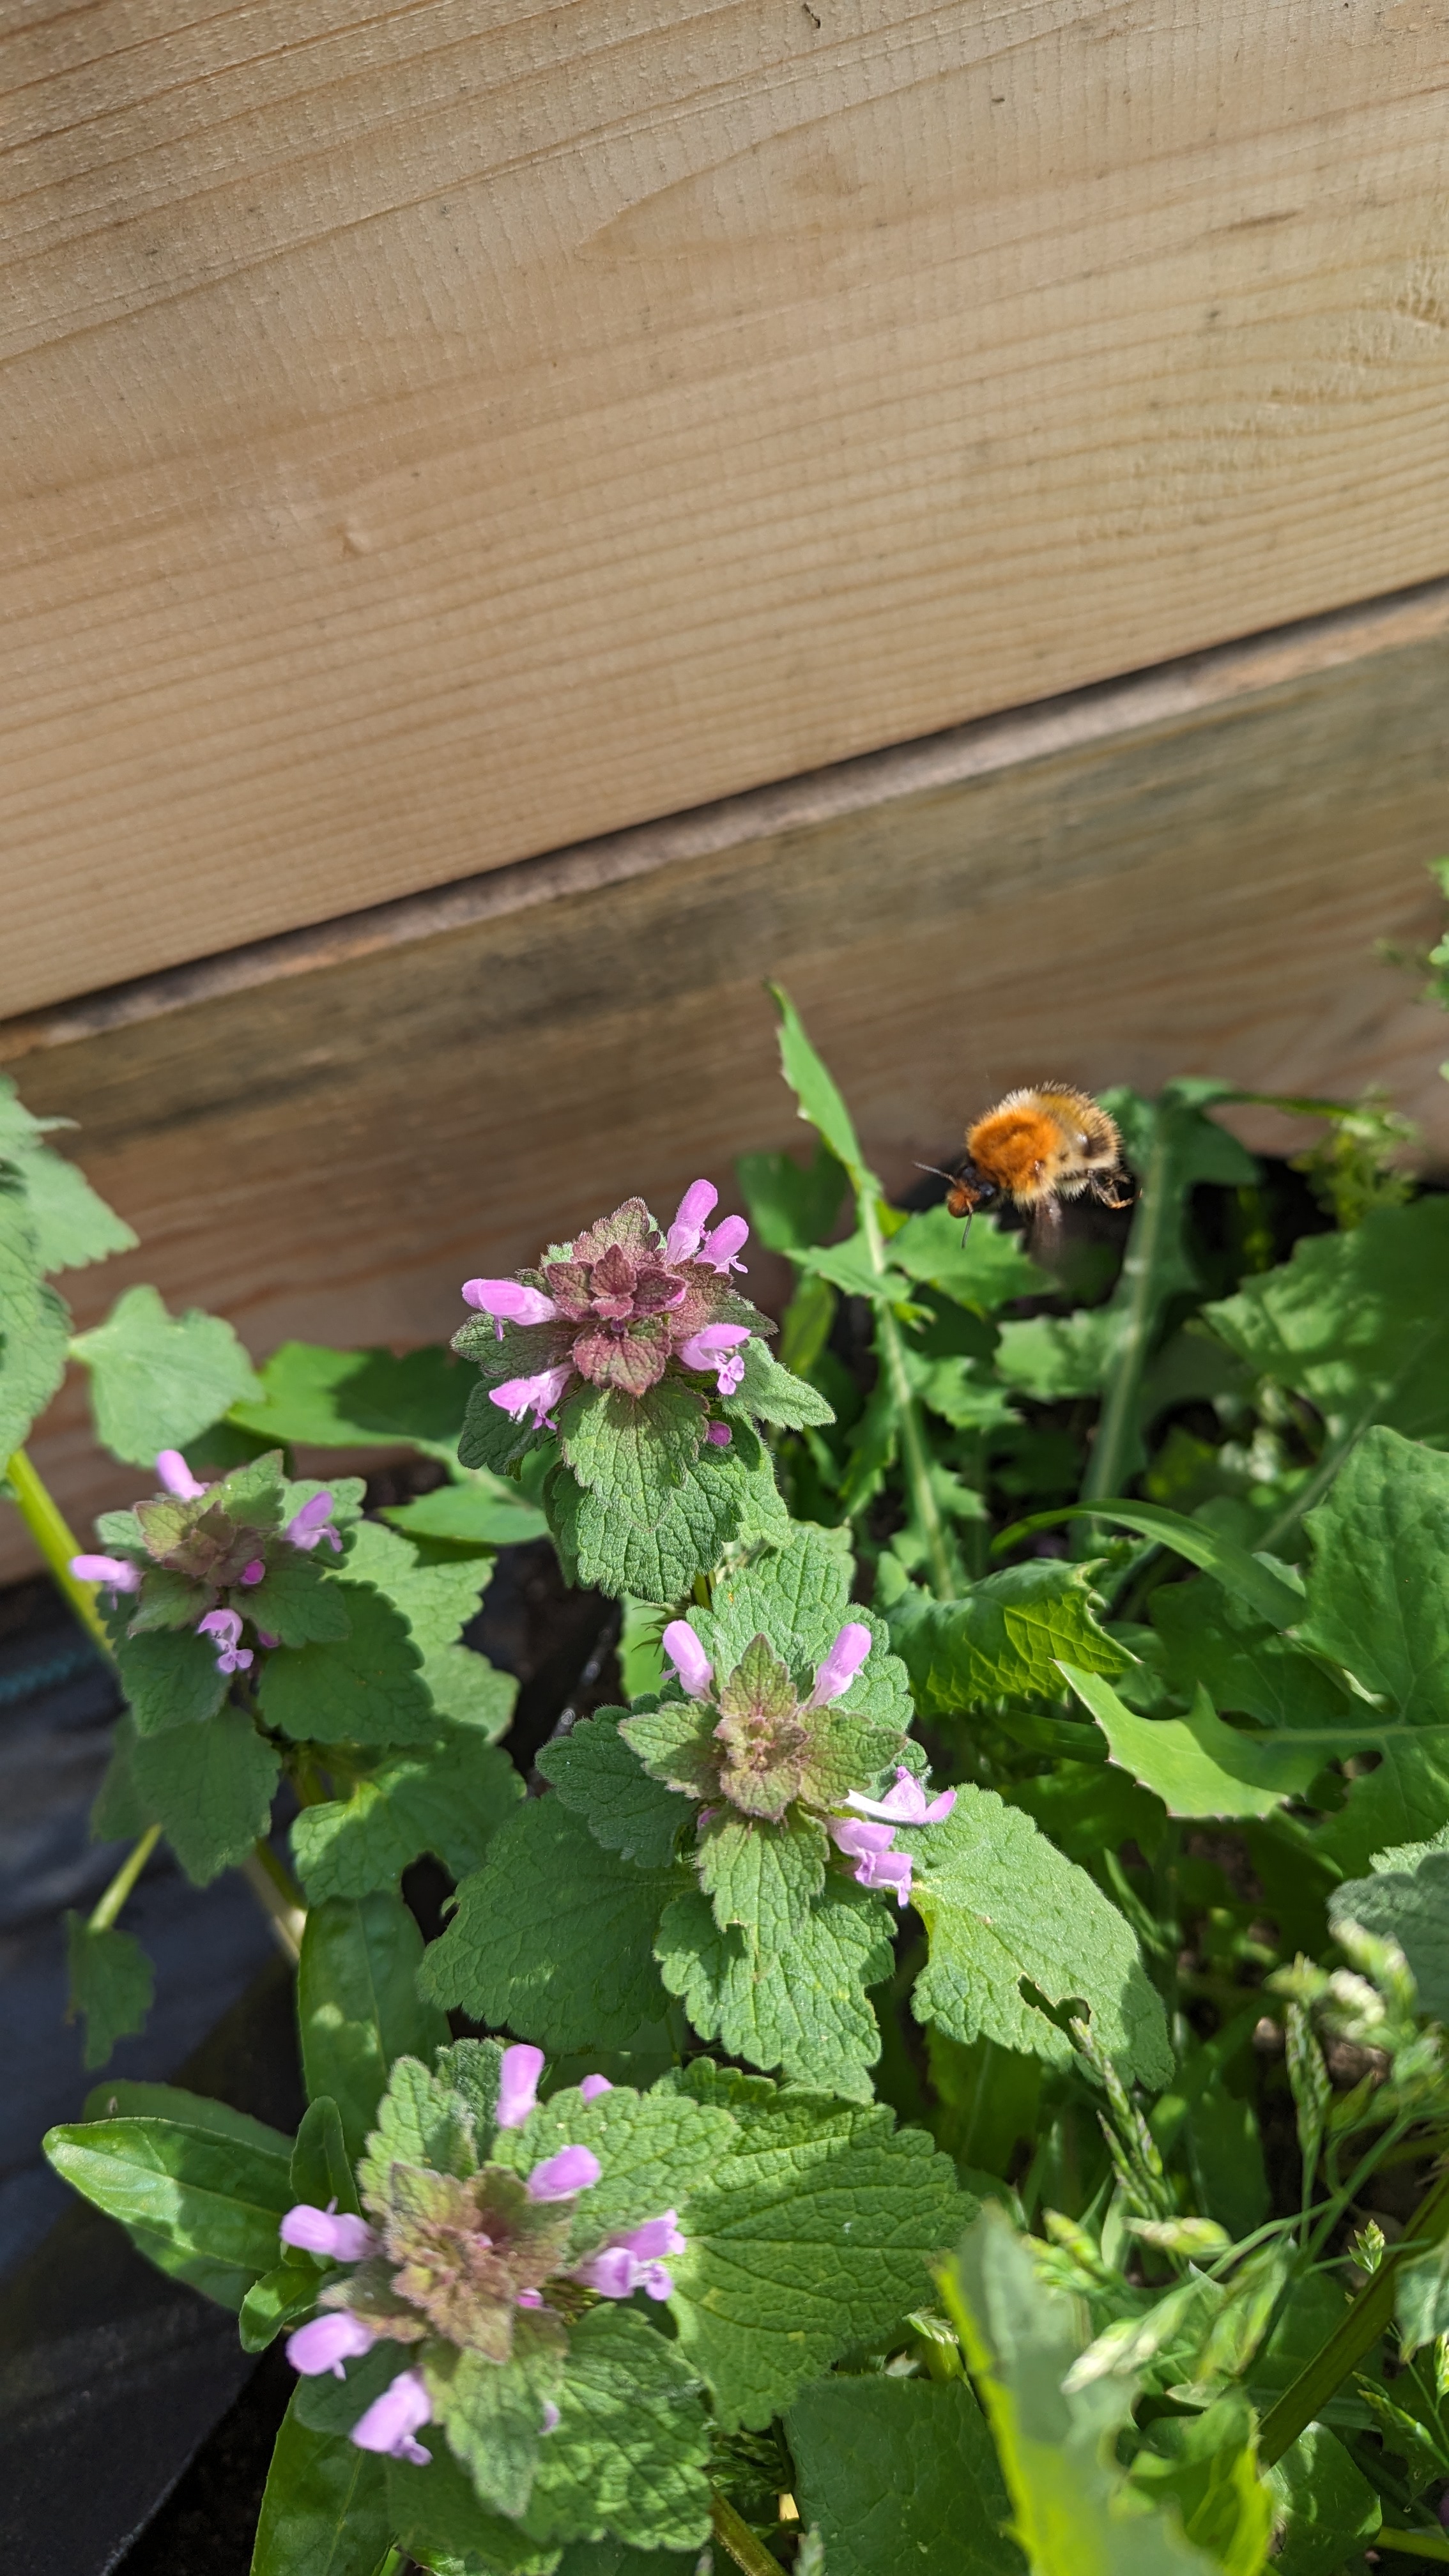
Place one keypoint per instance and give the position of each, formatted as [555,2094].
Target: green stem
[103,1915]
[1415,2544]
[736,2536]
[280,1901]
[57,1543]
[1107,1468]
[914,1458]
[1360,2326]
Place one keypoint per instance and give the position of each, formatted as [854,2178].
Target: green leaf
[34,1328]
[436,1600]
[1270,1589]
[601,1547]
[656,2149]
[297,1603]
[1331,2511]
[1052,1358]
[277,2302]
[321,2169]
[898,2473]
[634,1452]
[169,1680]
[324,2512]
[1006,1635]
[1357,1322]
[1421,2298]
[1006,1914]
[359,2005]
[1378,1590]
[485,1512]
[983,1272]
[1195,1764]
[805,2009]
[435,2514]
[764,1877]
[421,2121]
[798,1597]
[1206,2467]
[73,1225]
[632,2442]
[366,1689]
[814,2234]
[210,1788]
[448,1799]
[311,1397]
[774,1394]
[159,1380]
[820,1103]
[597,1775]
[111,1982]
[1075,2514]
[553,1937]
[791,1203]
[201,2204]
[494,2416]
[1410,1907]
[1212,1639]
[117,2097]
[849,1266]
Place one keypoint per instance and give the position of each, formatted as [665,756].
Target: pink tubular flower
[593,2085]
[510,1300]
[657,2236]
[687,1655]
[255,1572]
[542,1392]
[342,2238]
[906,1803]
[572,2170]
[719,1248]
[635,2262]
[113,1571]
[327,2342]
[176,1477]
[870,1847]
[226,1627]
[719,1435]
[697,1205]
[529,2299]
[393,2418]
[311,1523]
[265,1638]
[714,1348]
[859,1841]
[841,1664]
[612,2273]
[890,1869]
[518,2085]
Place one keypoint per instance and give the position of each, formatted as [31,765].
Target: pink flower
[327,2342]
[870,1847]
[393,2418]
[341,2237]
[719,1435]
[841,1664]
[265,1638]
[509,1298]
[612,2273]
[529,2299]
[593,2085]
[634,2262]
[518,2085]
[713,1348]
[542,1392]
[551,2417]
[906,1803]
[113,1571]
[559,2177]
[255,1572]
[657,2236]
[719,1249]
[311,1523]
[226,1627]
[859,1841]
[890,1869]
[687,1655]
[697,1204]
[176,1477]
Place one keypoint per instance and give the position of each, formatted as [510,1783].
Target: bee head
[970,1189]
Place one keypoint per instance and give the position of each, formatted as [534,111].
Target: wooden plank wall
[1186,872]
[433,434]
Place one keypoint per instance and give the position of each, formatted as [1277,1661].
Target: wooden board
[1181,874]
[433,433]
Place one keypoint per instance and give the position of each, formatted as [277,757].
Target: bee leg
[1105,1187]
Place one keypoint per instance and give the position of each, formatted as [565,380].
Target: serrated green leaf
[1005,1636]
[655,2148]
[807,2010]
[983,1272]
[34,1328]
[789,1203]
[448,1799]
[420,2121]
[470,1692]
[812,2235]
[819,1099]
[485,1512]
[798,1596]
[112,1983]
[323,1399]
[634,1452]
[1055,1357]
[324,2512]
[1328,2510]
[1241,1662]
[170,1600]
[437,1600]
[119,1814]
[632,2442]
[368,1688]
[169,1680]
[209,1787]
[774,1394]
[1195,1764]
[1378,1588]
[1410,1906]
[201,2204]
[900,2473]
[1006,1913]
[435,2514]
[297,1603]
[1272,1590]
[72,1224]
[494,2417]
[359,2006]
[328,2404]
[553,1937]
[1358,1322]
[607,1551]
[159,1380]
[602,1779]
[851,1268]
[764,1877]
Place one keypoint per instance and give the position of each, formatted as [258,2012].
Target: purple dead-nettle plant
[211,1556]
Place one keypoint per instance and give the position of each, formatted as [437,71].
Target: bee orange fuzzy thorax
[1019,1149]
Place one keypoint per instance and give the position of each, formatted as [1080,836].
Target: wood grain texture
[438,431]
[329,1153]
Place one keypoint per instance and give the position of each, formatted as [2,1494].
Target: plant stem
[280,1901]
[1415,2544]
[737,2537]
[1107,1468]
[1360,2326]
[104,1913]
[925,1508]
[47,1525]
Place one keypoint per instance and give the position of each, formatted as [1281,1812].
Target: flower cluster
[761,1741]
[468,2261]
[615,1309]
[218,1539]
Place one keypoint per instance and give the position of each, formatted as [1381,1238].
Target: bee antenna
[936,1171]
